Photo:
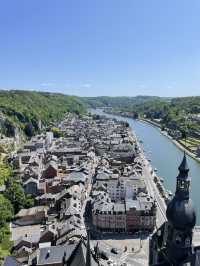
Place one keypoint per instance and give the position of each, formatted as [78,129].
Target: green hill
[29,110]
[123,102]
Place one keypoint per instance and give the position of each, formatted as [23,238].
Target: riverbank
[175,142]
[157,125]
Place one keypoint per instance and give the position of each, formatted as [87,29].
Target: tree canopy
[29,110]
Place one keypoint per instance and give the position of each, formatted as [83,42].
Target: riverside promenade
[148,174]
[175,142]
[154,192]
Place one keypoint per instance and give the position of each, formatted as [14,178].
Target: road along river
[165,156]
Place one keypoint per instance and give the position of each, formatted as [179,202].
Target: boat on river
[161,180]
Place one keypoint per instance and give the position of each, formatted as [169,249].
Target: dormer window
[178,239]
[187,242]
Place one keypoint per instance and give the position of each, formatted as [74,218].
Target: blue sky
[101,47]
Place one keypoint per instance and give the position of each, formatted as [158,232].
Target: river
[165,156]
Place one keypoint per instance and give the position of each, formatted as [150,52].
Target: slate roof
[76,177]
[79,256]
[54,254]
[52,164]
[31,179]
[31,211]
[11,261]
[132,204]
[34,238]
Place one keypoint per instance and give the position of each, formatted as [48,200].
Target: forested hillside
[29,110]
[181,113]
[117,102]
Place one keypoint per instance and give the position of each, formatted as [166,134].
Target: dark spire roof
[183,168]
[180,211]
[96,249]
[88,251]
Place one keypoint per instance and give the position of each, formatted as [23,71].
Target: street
[154,192]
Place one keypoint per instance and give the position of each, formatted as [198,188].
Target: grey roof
[31,179]
[119,207]
[65,228]
[31,211]
[102,176]
[34,238]
[79,256]
[132,204]
[11,261]
[74,234]
[51,230]
[47,196]
[52,164]
[54,254]
[76,177]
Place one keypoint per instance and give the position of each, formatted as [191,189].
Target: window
[178,239]
[187,242]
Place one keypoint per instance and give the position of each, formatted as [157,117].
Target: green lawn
[190,143]
[193,140]
[186,143]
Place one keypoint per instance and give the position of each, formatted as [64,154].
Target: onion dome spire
[183,181]
[180,211]
[183,168]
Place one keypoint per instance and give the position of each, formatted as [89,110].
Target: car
[114,251]
[103,255]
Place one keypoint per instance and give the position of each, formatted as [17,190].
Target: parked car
[114,251]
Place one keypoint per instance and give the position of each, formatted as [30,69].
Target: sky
[101,47]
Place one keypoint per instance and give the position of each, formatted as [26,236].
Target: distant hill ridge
[29,111]
[179,115]
[120,101]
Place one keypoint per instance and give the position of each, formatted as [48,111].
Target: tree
[15,194]
[183,134]
[29,201]
[5,172]
[6,210]
[29,129]
[162,127]
[135,115]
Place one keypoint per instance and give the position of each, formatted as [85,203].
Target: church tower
[181,219]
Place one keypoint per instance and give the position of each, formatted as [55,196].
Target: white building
[49,138]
